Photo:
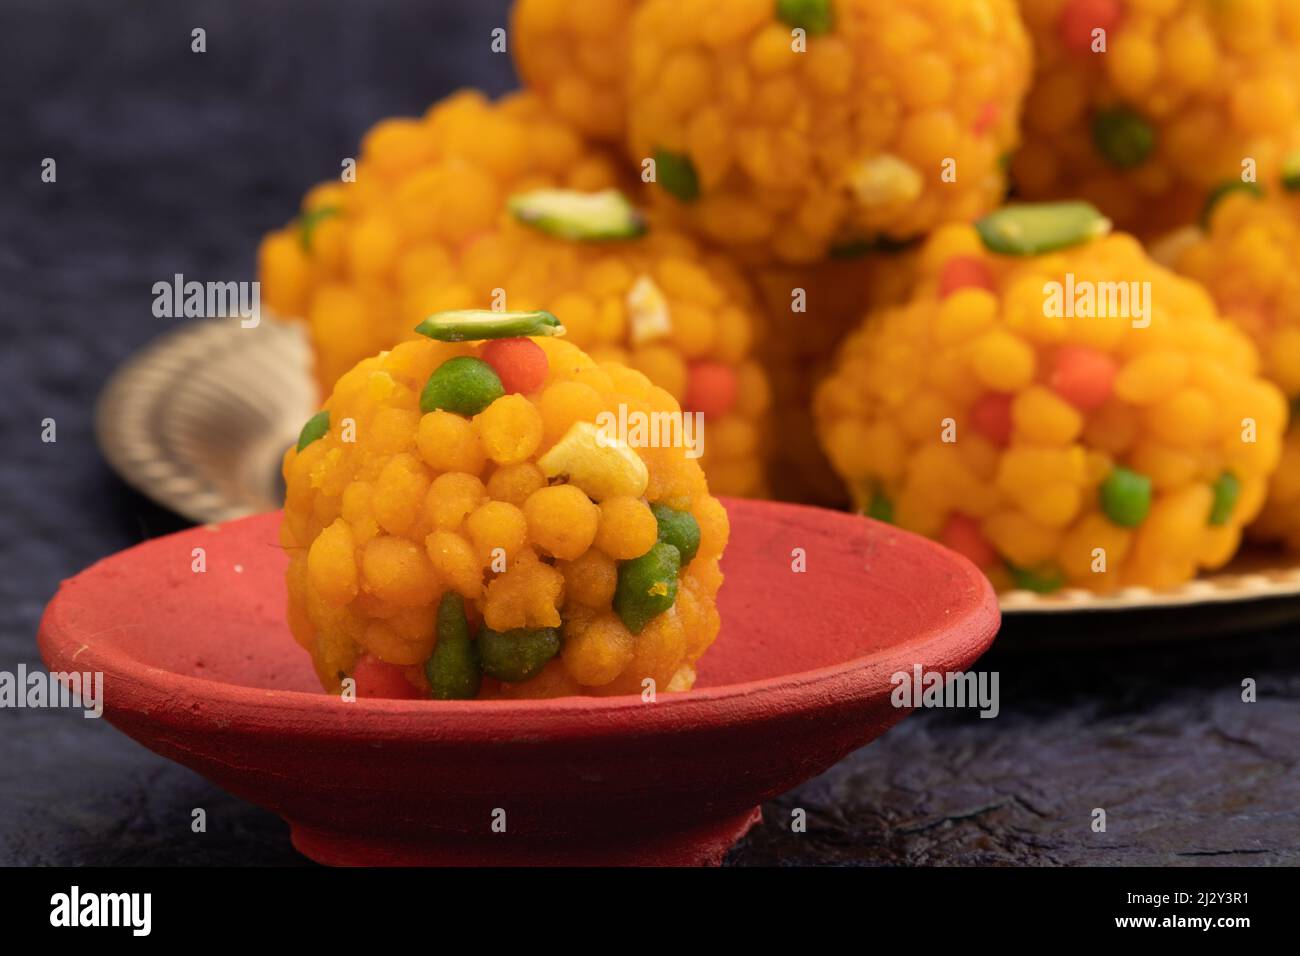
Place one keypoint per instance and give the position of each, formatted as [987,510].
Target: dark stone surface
[1161,740]
[170,161]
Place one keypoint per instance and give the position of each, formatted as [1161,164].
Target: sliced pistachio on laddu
[472,325]
[675,174]
[309,220]
[1031,229]
[585,217]
[1291,173]
[1222,192]
[315,428]
[813,16]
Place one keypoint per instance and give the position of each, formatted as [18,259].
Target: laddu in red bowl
[200,667]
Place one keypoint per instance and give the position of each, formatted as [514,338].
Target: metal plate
[199,421]
[1259,589]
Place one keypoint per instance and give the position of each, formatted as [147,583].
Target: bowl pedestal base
[702,845]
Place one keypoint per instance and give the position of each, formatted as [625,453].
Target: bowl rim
[952,638]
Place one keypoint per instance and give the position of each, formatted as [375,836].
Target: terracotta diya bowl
[201,668]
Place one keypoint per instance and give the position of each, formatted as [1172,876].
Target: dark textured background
[169,161]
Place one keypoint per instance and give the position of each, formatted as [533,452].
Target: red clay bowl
[201,668]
